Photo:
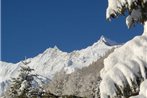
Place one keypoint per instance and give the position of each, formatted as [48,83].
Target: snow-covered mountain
[53,60]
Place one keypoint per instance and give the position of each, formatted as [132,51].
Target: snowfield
[53,60]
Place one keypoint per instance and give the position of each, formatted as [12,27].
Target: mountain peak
[56,48]
[107,41]
[52,50]
[102,37]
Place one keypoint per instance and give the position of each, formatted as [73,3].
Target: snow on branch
[137,10]
[125,69]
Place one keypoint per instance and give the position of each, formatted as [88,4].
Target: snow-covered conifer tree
[137,10]
[126,68]
[22,87]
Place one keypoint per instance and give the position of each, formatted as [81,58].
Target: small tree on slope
[21,87]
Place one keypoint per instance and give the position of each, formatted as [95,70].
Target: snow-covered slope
[53,60]
[125,68]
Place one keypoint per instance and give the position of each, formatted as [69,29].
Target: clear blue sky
[31,26]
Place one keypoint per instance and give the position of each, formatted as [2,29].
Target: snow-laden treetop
[137,10]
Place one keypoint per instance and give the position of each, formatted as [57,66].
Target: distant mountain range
[53,60]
